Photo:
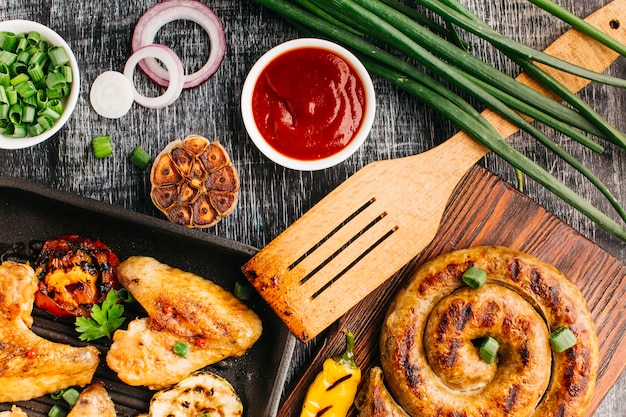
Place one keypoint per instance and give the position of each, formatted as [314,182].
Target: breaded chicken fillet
[31,366]
[93,401]
[184,309]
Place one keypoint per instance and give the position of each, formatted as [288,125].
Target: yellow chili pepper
[332,392]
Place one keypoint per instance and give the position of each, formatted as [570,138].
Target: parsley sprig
[103,321]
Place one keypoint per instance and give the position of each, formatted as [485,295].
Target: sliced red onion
[174,68]
[167,11]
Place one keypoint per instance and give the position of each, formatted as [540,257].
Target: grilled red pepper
[74,274]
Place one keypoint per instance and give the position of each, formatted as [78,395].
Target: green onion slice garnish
[102,146]
[140,157]
[489,350]
[243,290]
[474,277]
[57,411]
[562,339]
[71,396]
[181,349]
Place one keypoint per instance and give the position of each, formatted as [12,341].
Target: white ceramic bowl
[69,102]
[257,137]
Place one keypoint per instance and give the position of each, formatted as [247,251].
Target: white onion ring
[167,11]
[174,68]
[111,95]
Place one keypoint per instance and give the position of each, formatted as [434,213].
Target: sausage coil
[429,339]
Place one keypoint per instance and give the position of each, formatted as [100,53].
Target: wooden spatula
[373,224]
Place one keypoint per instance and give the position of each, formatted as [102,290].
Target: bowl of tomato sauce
[308,104]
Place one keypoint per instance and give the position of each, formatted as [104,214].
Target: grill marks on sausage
[511,399]
[575,378]
[455,318]
[550,294]
[514,269]
[442,277]
[412,371]
[524,353]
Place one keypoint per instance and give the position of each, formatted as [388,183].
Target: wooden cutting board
[484,210]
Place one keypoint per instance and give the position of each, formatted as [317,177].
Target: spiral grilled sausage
[428,351]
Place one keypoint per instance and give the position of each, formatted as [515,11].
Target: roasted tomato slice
[74,274]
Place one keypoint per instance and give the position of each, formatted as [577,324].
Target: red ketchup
[308,103]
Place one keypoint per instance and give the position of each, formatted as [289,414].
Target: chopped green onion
[26,89]
[71,396]
[55,80]
[140,157]
[5,77]
[30,101]
[7,58]
[126,296]
[562,339]
[181,349]
[18,67]
[55,93]
[56,105]
[28,114]
[45,122]
[36,129]
[68,74]
[33,37]
[11,94]
[44,45]
[22,46]
[38,57]
[16,130]
[57,411]
[243,290]
[474,277]
[102,146]
[35,72]
[15,113]
[32,72]
[7,41]
[18,79]
[58,56]
[57,395]
[489,350]
[23,57]
[4,111]
[42,99]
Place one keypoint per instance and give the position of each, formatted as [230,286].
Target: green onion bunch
[420,54]
[35,76]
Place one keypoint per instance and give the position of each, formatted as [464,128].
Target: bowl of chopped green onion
[39,83]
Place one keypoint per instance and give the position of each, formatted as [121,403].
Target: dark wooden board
[484,210]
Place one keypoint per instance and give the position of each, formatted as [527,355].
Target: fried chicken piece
[31,366]
[182,308]
[93,401]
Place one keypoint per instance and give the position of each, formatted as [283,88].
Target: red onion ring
[174,68]
[167,11]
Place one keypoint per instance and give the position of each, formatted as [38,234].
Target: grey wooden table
[272,197]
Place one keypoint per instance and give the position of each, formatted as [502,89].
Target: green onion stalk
[450,61]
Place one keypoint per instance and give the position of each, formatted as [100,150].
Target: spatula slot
[343,247]
[331,233]
[354,262]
